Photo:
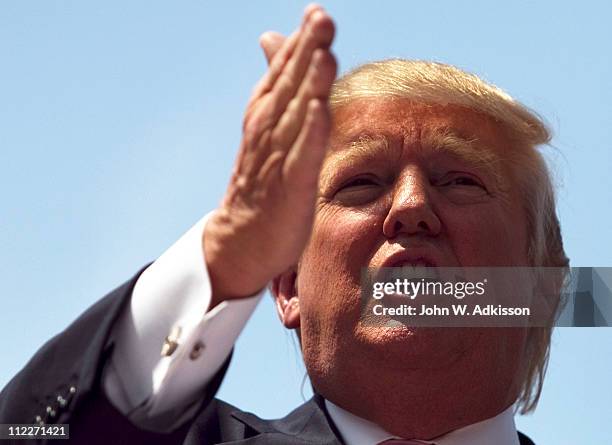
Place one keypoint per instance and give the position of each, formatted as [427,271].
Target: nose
[411,211]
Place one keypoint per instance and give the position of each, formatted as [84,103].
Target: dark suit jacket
[61,384]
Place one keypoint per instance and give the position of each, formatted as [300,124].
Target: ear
[284,291]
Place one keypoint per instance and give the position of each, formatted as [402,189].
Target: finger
[287,47]
[318,33]
[266,107]
[278,61]
[275,68]
[309,9]
[303,163]
[271,42]
[316,84]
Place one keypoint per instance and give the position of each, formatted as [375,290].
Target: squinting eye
[463,180]
[359,182]
[460,179]
[462,188]
[358,190]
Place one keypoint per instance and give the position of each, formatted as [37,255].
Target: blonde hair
[438,83]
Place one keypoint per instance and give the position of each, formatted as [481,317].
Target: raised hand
[266,216]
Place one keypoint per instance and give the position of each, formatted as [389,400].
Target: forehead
[413,123]
[386,128]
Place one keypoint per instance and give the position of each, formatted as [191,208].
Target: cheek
[488,236]
[342,242]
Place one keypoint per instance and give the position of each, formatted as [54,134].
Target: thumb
[271,42]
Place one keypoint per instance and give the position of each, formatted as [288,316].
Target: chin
[414,348]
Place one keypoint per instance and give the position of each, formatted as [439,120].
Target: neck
[419,404]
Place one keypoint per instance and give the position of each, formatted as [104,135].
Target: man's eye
[359,182]
[462,180]
[358,191]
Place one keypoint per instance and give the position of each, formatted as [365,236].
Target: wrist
[226,261]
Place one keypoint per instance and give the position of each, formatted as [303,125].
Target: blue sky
[119,122]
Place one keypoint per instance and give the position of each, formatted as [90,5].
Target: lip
[411,256]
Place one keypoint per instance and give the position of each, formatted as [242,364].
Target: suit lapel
[307,424]
[524,440]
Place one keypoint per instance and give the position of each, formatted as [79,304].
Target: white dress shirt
[498,430]
[170,302]
[171,298]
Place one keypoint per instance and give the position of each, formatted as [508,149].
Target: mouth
[407,265]
[419,262]
[410,258]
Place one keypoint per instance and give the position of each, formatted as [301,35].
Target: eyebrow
[368,148]
[363,148]
[470,150]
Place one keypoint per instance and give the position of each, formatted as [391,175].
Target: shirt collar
[499,430]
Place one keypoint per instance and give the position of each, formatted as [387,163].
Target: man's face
[423,180]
